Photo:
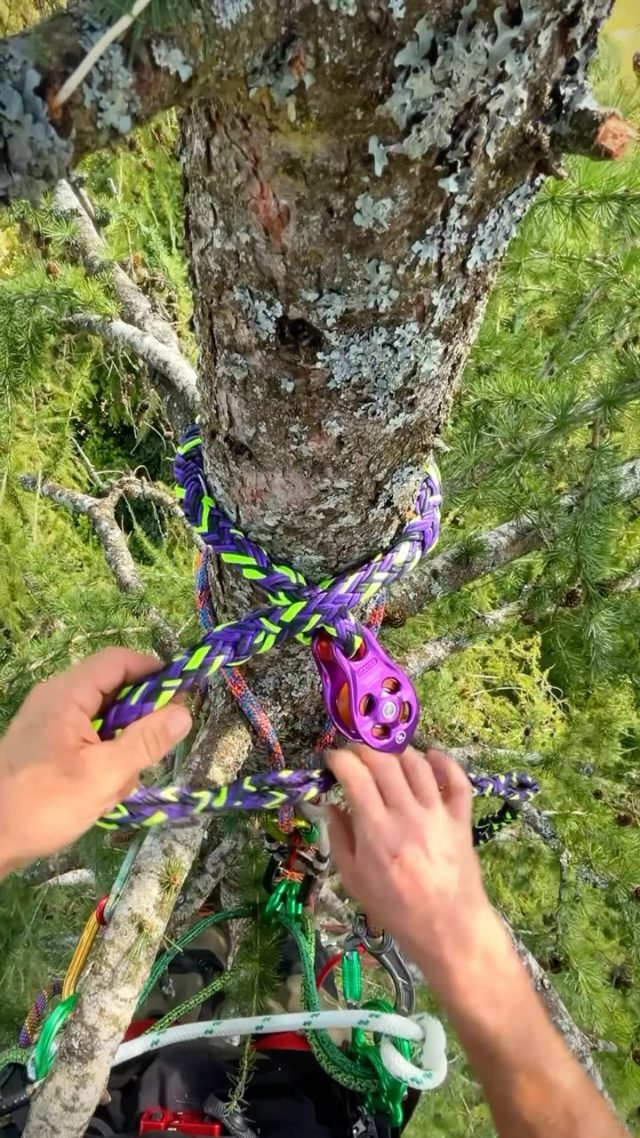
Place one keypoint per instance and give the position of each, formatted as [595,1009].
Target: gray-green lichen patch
[379,154]
[495,232]
[110,88]
[379,365]
[228,12]
[461,92]
[439,73]
[376,293]
[171,58]
[261,312]
[481,242]
[346,7]
[285,68]
[373,213]
[32,153]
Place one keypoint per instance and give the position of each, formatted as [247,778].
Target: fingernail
[178,722]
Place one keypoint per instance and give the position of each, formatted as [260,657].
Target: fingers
[420,778]
[453,784]
[93,680]
[374,782]
[389,776]
[358,785]
[146,742]
[342,840]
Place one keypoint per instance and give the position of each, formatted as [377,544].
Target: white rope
[422,1029]
[98,49]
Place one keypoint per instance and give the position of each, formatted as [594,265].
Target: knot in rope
[297,606]
[297,609]
[427,1073]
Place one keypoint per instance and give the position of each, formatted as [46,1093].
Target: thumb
[145,742]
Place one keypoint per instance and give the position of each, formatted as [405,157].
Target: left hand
[56,775]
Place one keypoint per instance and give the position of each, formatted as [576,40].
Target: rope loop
[296,608]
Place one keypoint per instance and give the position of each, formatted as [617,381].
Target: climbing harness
[380,1070]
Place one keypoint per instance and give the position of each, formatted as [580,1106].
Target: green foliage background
[561,684]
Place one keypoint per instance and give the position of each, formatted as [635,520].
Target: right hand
[404,850]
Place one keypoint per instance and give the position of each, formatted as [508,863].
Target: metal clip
[364,1126]
[369,698]
[384,949]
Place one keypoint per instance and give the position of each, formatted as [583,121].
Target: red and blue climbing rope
[37,1013]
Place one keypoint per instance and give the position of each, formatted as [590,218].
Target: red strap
[282,1041]
[138,1027]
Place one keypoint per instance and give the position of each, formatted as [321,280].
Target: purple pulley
[369,698]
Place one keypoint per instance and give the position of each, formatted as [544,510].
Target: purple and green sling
[296,609]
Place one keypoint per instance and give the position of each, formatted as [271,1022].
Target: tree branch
[135,307]
[215,49]
[453,569]
[435,652]
[124,87]
[210,873]
[479,753]
[131,487]
[40,871]
[101,514]
[109,989]
[63,1106]
[166,361]
[576,1040]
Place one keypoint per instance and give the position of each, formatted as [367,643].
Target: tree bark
[346,213]
[227,45]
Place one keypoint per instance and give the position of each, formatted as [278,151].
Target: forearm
[533,1084]
[10,860]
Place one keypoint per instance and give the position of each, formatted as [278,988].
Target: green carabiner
[352,977]
[45,1050]
[391,1093]
[284,899]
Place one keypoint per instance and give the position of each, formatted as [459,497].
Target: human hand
[56,776]
[405,851]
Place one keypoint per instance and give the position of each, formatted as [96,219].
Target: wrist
[473,956]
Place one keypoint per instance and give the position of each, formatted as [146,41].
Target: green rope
[121,878]
[18,1055]
[186,1006]
[161,965]
[347,1072]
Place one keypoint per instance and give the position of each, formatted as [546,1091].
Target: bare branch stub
[166,361]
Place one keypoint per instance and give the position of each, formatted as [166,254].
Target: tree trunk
[345,217]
